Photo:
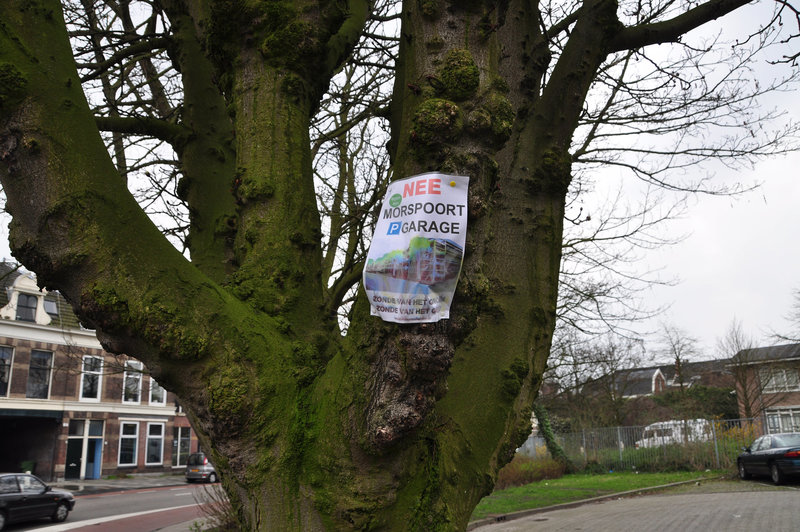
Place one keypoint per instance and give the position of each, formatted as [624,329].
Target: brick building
[768,384]
[68,409]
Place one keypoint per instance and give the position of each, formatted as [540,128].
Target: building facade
[70,410]
[768,384]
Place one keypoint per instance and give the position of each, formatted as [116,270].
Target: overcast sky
[740,259]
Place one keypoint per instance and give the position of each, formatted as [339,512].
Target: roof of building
[640,381]
[760,355]
[10,274]
[695,369]
[636,381]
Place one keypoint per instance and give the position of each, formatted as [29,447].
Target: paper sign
[417,249]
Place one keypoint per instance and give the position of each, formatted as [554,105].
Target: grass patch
[576,487]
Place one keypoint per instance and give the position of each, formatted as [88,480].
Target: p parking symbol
[394,228]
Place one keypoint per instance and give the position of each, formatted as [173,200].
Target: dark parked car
[199,468]
[773,455]
[24,497]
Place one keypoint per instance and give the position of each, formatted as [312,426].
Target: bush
[220,515]
[524,470]
[594,468]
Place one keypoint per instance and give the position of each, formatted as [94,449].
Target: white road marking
[99,520]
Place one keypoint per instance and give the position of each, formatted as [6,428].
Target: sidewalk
[130,482]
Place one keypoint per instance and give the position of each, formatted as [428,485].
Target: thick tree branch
[635,37]
[175,134]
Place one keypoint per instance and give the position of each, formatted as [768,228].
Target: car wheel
[2,520]
[743,474]
[775,473]
[61,513]
[189,481]
[212,478]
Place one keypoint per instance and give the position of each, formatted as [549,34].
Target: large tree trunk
[395,426]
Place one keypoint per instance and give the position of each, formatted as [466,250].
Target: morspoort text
[445,209]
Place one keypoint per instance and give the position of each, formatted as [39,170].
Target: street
[139,510]
[725,505]
[744,510]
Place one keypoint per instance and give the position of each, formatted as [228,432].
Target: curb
[566,505]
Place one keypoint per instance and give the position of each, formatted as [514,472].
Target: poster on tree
[416,253]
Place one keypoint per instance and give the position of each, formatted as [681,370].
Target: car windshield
[787,440]
[196,459]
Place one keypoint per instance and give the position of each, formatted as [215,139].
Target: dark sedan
[773,455]
[24,497]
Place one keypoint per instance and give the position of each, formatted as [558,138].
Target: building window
[774,379]
[51,306]
[26,307]
[76,427]
[181,445]
[128,442]
[783,420]
[91,378]
[155,444]
[39,375]
[158,395]
[6,354]
[132,390]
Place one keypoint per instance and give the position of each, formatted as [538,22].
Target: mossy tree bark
[393,427]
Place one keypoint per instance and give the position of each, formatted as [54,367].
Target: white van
[674,431]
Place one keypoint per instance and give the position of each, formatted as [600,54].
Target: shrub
[524,470]
[218,511]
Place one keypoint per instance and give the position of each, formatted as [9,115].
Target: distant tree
[594,376]
[793,335]
[679,348]
[747,385]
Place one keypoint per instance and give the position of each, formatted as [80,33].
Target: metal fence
[675,444]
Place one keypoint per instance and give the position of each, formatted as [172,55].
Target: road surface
[139,510]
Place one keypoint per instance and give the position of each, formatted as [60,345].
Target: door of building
[84,449]
[74,450]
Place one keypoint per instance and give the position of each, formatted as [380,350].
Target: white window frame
[35,307]
[154,385]
[160,439]
[10,368]
[777,379]
[49,374]
[783,419]
[50,301]
[98,373]
[136,371]
[181,434]
[134,437]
